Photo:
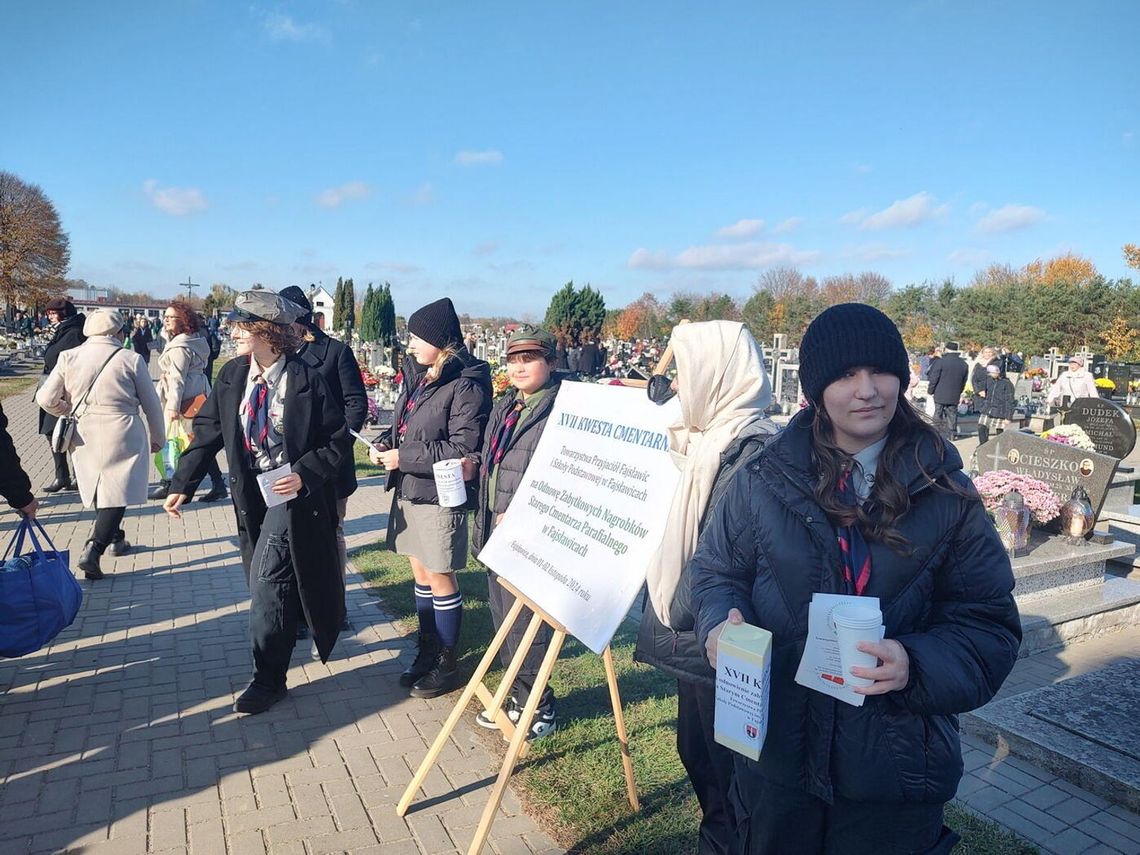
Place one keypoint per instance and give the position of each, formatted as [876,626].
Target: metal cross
[189,286]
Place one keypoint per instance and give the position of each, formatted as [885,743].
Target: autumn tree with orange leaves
[34,248]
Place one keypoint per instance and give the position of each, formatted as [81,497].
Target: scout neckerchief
[257,418]
[502,437]
[852,545]
[409,405]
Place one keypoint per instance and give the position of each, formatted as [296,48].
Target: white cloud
[334,197]
[315,268]
[788,225]
[969,257]
[853,218]
[1009,218]
[903,213]
[282,28]
[490,157]
[871,252]
[743,256]
[178,201]
[742,229]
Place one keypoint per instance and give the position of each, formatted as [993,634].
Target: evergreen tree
[387,317]
[368,330]
[338,305]
[573,313]
[349,306]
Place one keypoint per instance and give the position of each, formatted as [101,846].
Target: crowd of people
[858,495]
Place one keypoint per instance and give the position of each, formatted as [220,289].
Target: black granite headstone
[1062,467]
[1108,426]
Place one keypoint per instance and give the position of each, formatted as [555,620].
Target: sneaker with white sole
[510,707]
[545,721]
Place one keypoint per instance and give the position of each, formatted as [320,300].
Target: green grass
[572,781]
[365,468]
[15,385]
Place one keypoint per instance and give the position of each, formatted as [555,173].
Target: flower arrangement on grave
[1105,383]
[368,378]
[994,486]
[500,382]
[1034,372]
[1073,435]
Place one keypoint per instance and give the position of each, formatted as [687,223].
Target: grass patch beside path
[572,781]
[15,385]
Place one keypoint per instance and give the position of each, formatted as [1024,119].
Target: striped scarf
[853,547]
[257,418]
[502,437]
[409,405]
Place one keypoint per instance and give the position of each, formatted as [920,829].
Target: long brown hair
[186,320]
[889,499]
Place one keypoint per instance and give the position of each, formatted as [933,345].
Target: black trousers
[775,820]
[946,419]
[501,600]
[107,526]
[709,765]
[59,460]
[274,602]
[215,473]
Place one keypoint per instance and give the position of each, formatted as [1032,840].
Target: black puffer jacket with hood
[446,423]
[768,547]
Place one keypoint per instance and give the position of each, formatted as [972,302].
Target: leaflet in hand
[265,484]
[820,667]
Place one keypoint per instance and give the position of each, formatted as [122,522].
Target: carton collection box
[743,686]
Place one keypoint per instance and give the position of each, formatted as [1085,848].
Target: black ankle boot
[120,545]
[441,679]
[161,491]
[983,434]
[89,560]
[55,486]
[426,651]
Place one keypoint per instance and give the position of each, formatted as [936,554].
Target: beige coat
[112,447]
[183,367]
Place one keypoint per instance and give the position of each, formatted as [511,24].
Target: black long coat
[768,547]
[316,440]
[14,483]
[337,365]
[68,334]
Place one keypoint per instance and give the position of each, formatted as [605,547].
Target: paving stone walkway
[119,737]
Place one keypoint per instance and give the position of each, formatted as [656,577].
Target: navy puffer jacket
[769,547]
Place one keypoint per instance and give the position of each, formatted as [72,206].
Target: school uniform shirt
[529,405]
[277,381]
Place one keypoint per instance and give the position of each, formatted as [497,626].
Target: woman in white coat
[111,442]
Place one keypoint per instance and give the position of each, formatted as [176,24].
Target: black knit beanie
[846,336]
[436,323]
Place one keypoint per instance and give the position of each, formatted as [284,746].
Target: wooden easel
[494,707]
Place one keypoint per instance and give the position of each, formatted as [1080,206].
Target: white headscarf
[723,389]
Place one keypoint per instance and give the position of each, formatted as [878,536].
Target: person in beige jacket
[183,378]
[111,441]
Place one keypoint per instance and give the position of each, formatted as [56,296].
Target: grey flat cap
[264,305]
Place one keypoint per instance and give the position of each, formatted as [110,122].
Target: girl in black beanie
[858,496]
[440,415]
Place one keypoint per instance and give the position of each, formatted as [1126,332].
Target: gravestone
[1082,729]
[1108,426]
[1062,467]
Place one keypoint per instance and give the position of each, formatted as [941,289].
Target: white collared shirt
[277,381]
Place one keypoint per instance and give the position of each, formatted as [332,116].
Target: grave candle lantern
[1077,516]
[1013,518]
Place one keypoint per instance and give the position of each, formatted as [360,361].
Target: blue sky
[493,151]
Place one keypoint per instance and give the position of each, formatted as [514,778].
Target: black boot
[89,560]
[120,545]
[161,491]
[217,492]
[55,486]
[983,434]
[426,650]
[441,679]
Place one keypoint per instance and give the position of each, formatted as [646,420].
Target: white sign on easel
[592,508]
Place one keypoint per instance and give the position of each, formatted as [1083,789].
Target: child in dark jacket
[997,408]
[513,431]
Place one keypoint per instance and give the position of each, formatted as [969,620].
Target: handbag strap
[83,400]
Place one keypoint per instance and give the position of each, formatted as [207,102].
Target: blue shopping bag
[39,596]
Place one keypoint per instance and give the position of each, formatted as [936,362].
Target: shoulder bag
[63,434]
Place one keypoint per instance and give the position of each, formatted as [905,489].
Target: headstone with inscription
[1062,467]
[1108,426]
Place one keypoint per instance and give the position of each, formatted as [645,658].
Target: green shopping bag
[166,458]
